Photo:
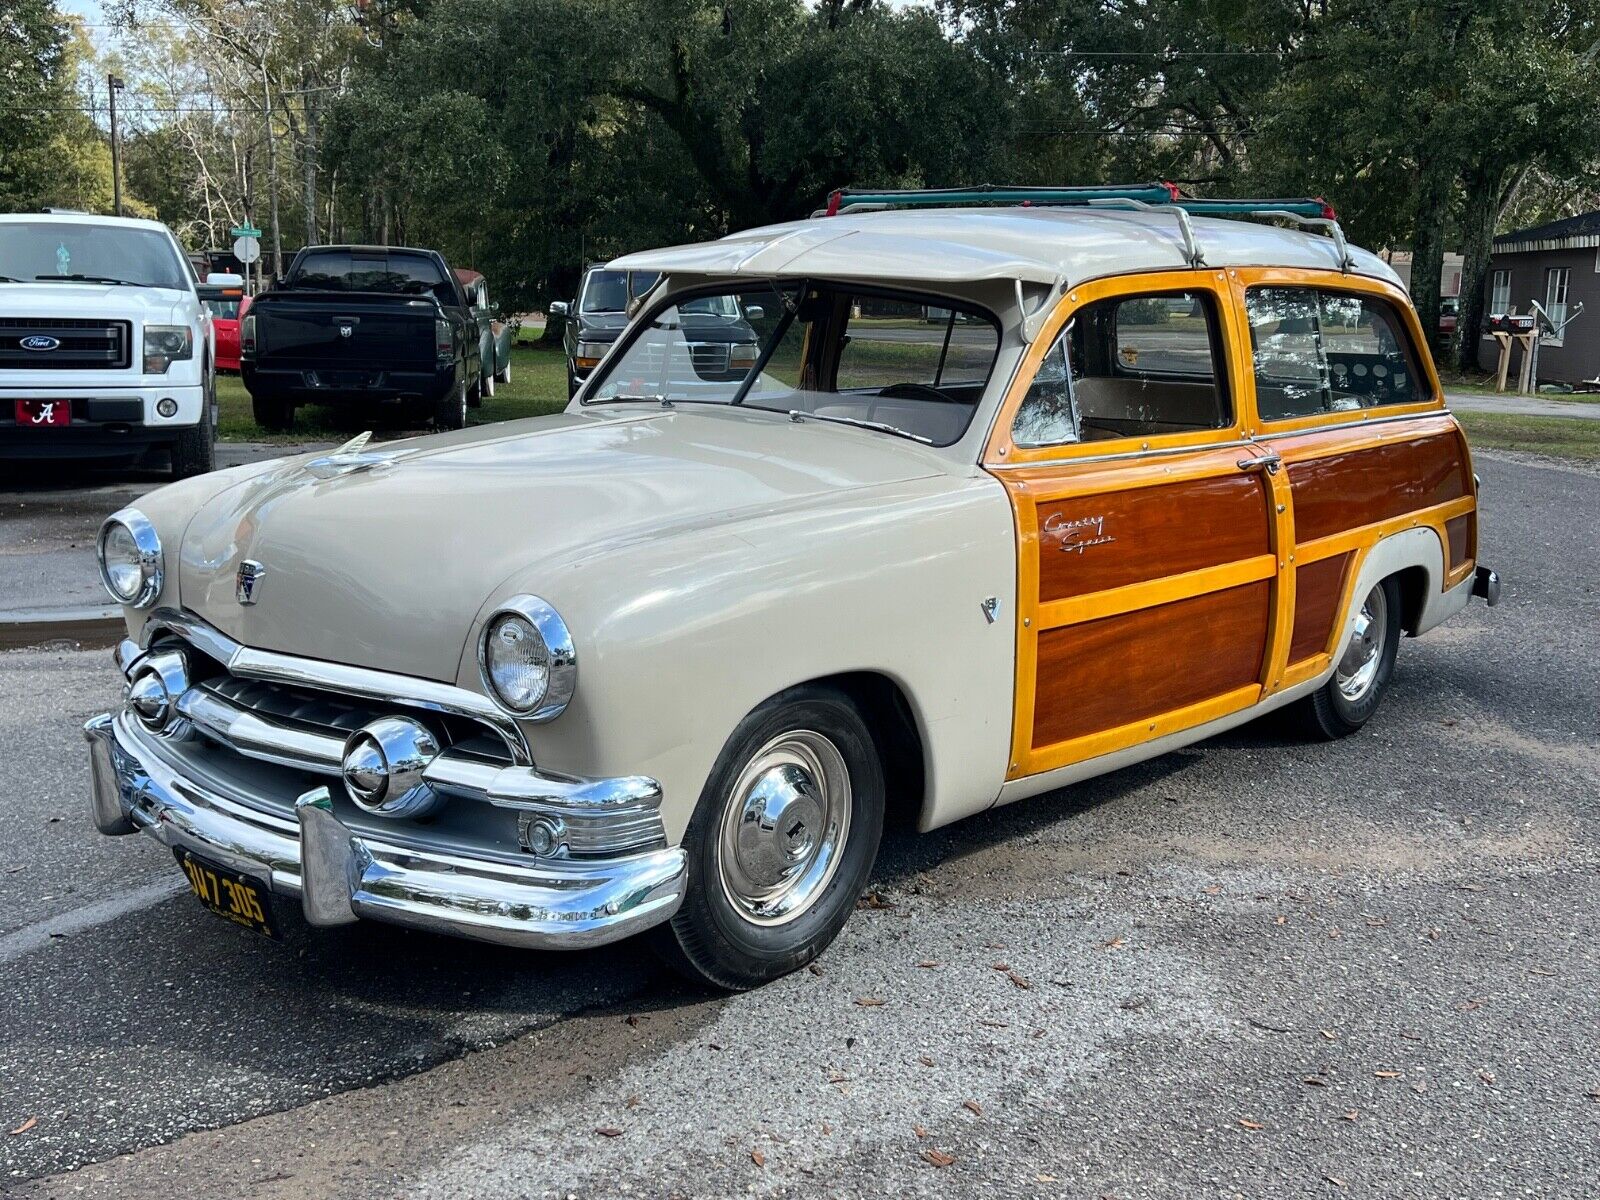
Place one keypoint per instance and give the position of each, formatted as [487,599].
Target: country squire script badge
[1077,535]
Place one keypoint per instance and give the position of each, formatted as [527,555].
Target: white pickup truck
[106,349]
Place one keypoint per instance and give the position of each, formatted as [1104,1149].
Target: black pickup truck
[378,326]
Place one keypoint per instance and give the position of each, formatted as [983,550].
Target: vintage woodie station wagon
[1016,487]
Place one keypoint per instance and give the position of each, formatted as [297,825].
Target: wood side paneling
[1091,543]
[1317,589]
[1101,674]
[1459,531]
[1343,491]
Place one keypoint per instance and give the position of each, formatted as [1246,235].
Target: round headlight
[130,558]
[527,659]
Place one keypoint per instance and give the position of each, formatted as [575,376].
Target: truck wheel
[1362,668]
[195,451]
[573,384]
[486,388]
[450,410]
[273,413]
[781,843]
[504,374]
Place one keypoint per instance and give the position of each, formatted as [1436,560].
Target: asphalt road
[1258,967]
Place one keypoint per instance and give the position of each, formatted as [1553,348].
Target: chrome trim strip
[404,690]
[1153,452]
[1358,424]
[339,875]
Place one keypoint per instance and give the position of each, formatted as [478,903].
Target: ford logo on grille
[41,343]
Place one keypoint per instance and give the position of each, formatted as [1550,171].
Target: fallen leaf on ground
[928,964]
[1486,1076]
[994,1024]
[608,1131]
[1387,1074]
[758,1158]
[1541,971]
[1249,1124]
[926,1060]
[1328,1033]
[1001,966]
[1335,1180]
[973,1107]
[919,1131]
[874,900]
[25,1126]
[869,1002]
[1112,944]
[1315,1081]
[814,969]
[632,1021]
[1469,1005]
[1045,1179]
[827,1128]
[1213,890]
[1409,1036]
[1018,980]
[1352,1114]
[631,1102]
[1281,921]
[938,1157]
[836,1076]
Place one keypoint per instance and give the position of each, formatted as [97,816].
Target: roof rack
[1158,195]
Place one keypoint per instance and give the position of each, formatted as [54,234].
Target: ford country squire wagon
[1014,489]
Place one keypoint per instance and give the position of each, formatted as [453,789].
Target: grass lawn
[1559,437]
[538,385]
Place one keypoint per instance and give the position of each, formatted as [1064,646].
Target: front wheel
[486,388]
[195,451]
[781,843]
[504,374]
[1362,670]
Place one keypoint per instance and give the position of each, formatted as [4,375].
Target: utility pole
[114,85]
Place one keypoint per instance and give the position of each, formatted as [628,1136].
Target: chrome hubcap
[1358,666]
[784,828]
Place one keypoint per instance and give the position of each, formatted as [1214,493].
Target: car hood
[102,301]
[389,566]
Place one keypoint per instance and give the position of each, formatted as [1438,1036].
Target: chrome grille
[84,345]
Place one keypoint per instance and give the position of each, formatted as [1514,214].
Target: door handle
[1271,461]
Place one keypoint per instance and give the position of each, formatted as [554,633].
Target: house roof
[1570,233]
[1035,244]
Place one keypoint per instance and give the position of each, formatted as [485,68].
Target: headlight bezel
[542,620]
[148,544]
[165,345]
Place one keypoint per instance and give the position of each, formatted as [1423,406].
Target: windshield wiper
[91,279]
[624,397]
[8,279]
[799,415]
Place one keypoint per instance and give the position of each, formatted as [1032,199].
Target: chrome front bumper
[341,876]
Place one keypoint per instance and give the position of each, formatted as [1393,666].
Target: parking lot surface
[1259,966]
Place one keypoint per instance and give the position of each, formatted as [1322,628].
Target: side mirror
[755,312]
[558,308]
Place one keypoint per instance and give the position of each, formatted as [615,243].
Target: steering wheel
[916,391]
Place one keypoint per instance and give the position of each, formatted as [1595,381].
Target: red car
[225,318]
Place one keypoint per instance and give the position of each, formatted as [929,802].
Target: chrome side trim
[404,690]
[1152,452]
[1357,424]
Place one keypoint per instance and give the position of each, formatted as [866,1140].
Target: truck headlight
[165,345]
[130,558]
[527,659]
[587,355]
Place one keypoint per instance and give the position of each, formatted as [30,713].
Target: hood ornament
[348,459]
[247,580]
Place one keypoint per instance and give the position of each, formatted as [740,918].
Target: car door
[1151,531]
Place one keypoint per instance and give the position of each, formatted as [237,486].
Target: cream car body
[704,558]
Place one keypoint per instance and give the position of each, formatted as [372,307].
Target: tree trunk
[272,173]
[1477,242]
[1427,250]
[308,163]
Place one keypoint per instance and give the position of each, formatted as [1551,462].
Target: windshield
[77,252]
[895,363]
[605,291]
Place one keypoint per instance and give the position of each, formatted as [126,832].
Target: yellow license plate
[233,896]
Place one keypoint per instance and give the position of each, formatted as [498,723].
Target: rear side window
[1318,351]
[1129,366]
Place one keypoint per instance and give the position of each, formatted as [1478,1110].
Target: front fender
[679,637]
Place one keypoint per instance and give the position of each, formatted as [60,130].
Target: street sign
[249,231]
[246,249]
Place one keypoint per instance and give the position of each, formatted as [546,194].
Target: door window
[1319,351]
[1129,366]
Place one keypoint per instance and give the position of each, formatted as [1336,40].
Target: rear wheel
[1363,667]
[573,384]
[450,410]
[273,413]
[781,843]
[504,374]
[486,387]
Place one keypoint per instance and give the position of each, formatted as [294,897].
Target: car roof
[75,218]
[1040,244]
